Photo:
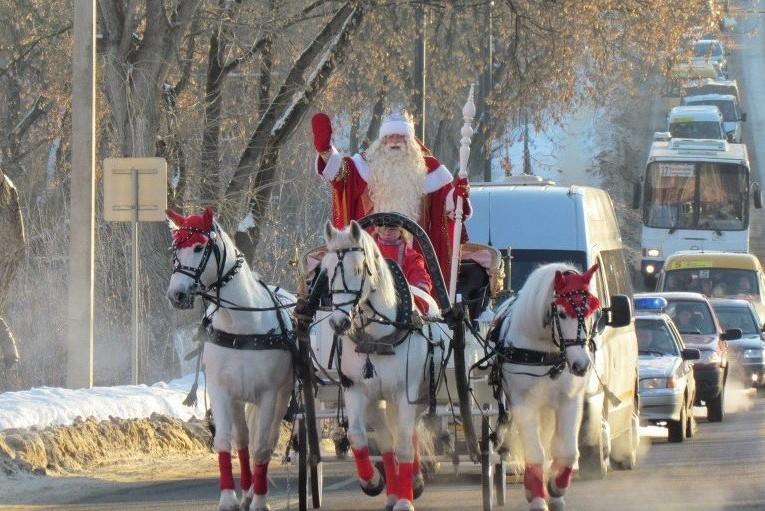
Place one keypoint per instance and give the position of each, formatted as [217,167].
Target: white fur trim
[433,311]
[438,178]
[362,166]
[396,127]
[332,165]
[451,205]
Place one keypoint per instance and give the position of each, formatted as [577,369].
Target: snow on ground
[47,406]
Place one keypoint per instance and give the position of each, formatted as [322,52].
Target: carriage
[463,403]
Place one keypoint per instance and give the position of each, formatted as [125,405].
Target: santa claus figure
[397,174]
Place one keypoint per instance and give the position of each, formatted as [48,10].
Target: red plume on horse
[572,291]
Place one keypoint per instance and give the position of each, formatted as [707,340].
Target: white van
[533,222]
[700,122]
[728,105]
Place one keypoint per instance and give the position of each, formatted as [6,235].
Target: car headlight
[657,383]
[753,353]
[709,357]
[652,252]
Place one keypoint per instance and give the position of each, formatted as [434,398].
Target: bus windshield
[696,195]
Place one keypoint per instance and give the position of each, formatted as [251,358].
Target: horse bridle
[340,272]
[210,248]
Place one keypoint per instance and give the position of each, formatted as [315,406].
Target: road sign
[135,190]
[131,181]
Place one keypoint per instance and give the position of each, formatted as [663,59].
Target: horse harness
[556,361]
[406,320]
[284,339]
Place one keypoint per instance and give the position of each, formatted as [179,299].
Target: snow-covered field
[47,406]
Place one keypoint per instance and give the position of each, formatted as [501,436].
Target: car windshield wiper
[651,352]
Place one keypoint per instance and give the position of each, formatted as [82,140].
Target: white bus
[695,196]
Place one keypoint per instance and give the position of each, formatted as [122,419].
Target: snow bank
[46,406]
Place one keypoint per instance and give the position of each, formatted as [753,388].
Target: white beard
[397,178]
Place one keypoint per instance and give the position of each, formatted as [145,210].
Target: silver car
[667,386]
[747,354]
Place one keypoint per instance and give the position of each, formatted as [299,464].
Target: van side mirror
[757,195]
[690,354]
[636,194]
[732,334]
[620,312]
[743,117]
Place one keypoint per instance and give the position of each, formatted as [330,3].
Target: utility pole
[82,200]
[420,71]
[526,153]
[487,84]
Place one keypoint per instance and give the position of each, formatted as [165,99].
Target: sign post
[135,190]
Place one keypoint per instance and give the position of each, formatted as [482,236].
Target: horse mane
[530,313]
[380,280]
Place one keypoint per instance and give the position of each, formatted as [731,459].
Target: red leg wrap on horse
[226,474]
[405,481]
[563,479]
[533,480]
[244,468]
[416,445]
[260,479]
[364,467]
[391,473]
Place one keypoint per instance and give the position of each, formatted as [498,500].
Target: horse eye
[198,249]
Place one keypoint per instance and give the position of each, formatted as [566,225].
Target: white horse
[364,299]
[546,332]
[247,359]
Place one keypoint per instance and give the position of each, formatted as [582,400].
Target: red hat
[190,230]
[572,292]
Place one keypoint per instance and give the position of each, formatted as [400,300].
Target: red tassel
[226,474]
[533,480]
[364,467]
[391,473]
[245,480]
[405,481]
[260,479]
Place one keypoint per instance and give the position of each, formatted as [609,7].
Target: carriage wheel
[487,469]
[317,484]
[463,387]
[302,465]
[500,483]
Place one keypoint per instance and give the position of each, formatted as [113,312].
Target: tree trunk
[12,252]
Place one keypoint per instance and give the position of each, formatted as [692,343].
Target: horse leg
[271,407]
[241,444]
[378,420]
[407,418]
[564,451]
[356,405]
[533,477]
[221,405]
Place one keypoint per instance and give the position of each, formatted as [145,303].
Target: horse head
[196,240]
[356,271]
[572,306]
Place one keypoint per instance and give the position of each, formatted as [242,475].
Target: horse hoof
[557,504]
[390,502]
[259,503]
[403,505]
[553,490]
[538,504]
[228,501]
[418,485]
[244,503]
[374,486]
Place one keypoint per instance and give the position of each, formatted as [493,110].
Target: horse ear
[560,281]
[589,273]
[355,231]
[329,231]
[175,218]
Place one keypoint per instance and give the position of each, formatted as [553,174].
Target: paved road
[721,469]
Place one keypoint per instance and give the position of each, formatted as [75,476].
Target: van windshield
[525,261]
[713,282]
[726,107]
[703,129]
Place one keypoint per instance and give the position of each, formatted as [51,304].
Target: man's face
[389,233]
[684,317]
[395,141]
[743,284]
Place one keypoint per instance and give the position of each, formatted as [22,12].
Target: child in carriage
[394,246]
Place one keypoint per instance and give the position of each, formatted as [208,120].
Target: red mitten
[462,188]
[322,132]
